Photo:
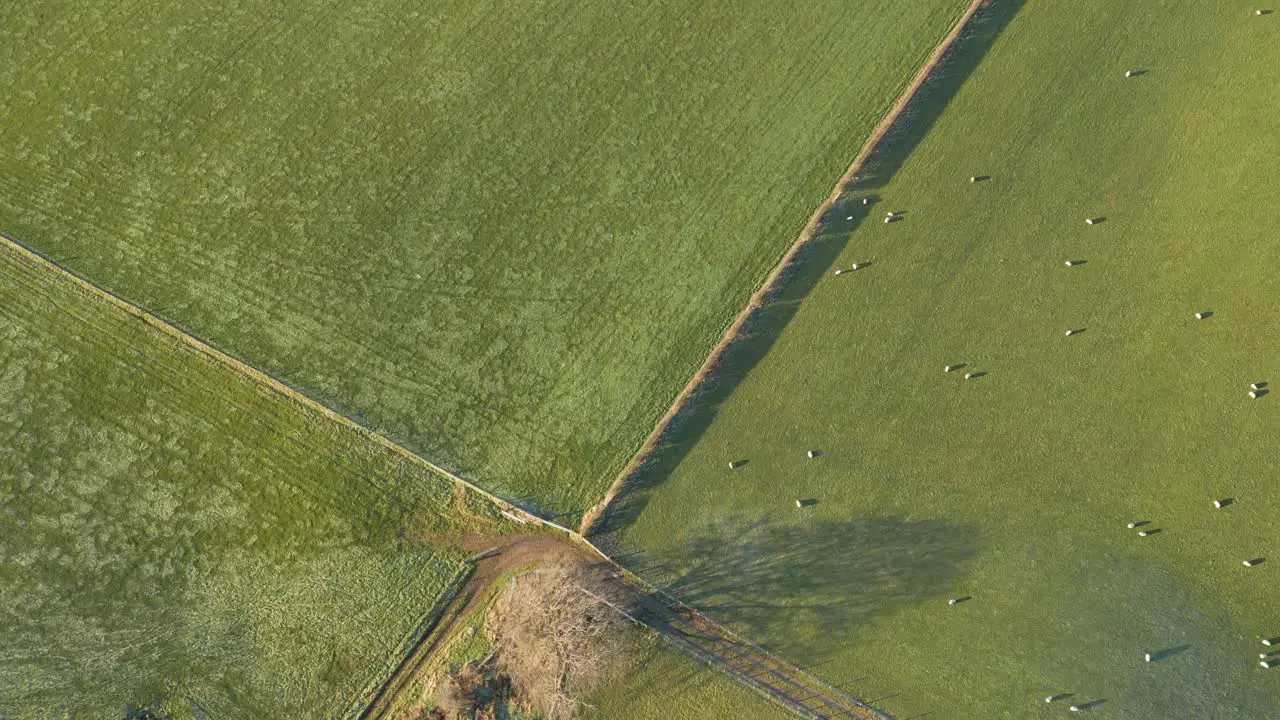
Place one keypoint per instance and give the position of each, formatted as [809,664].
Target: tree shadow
[654,664]
[766,323]
[783,584]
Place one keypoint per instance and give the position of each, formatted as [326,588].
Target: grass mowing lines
[504,233]
[1014,489]
[175,534]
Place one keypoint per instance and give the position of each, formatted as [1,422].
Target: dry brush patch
[559,636]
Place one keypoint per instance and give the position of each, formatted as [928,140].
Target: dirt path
[517,552]
[496,556]
[810,230]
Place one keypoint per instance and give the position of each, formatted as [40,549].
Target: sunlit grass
[505,232]
[172,533]
[1030,472]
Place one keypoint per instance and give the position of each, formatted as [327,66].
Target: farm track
[496,557]
[787,685]
[772,282]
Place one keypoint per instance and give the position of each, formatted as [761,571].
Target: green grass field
[1015,488]
[670,685]
[503,232]
[173,532]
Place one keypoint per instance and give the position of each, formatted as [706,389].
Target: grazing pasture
[174,534]
[502,232]
[1013,492]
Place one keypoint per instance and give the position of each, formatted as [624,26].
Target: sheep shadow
[1167,653]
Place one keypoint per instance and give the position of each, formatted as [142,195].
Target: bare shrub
[461,693]
[558,640]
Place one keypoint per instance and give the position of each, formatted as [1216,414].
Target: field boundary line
[417,652]
[211,353]
[757,300]
[793,675]
[785,673]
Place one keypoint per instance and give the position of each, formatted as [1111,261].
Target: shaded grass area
[173,534]
[1033,468]
[502,232]
[756,573]
[660,680]
[670,684]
